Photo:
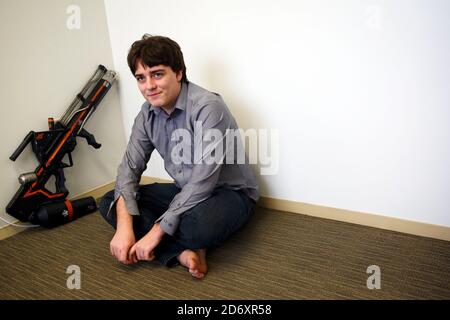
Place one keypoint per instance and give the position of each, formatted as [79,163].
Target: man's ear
[179,75]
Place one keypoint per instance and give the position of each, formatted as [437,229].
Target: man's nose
[150,83]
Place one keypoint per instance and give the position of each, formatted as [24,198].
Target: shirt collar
[179,104]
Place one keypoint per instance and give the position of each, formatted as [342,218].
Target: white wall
[359,91]
[43,65]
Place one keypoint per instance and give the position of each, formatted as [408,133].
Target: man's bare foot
[195,261]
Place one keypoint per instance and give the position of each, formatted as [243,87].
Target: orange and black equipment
[34,202]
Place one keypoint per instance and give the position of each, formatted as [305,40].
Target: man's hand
[124,237]
[143,249]
[120,246]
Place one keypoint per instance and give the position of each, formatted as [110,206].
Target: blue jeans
[205,226]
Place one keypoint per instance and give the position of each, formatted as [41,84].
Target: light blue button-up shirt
[199,153]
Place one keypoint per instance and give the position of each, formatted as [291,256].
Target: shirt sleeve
[210,129]
[134,163]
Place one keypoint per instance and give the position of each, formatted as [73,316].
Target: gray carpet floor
[278,255]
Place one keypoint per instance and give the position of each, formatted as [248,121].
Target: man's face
[159,85]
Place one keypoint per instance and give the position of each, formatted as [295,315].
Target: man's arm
[124,237]
[134,162]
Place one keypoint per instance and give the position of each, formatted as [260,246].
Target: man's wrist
[124,219]
[159,231]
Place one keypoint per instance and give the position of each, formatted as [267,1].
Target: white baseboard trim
[9,230]
[361,218]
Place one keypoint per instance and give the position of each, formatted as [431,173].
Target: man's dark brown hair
[155,50]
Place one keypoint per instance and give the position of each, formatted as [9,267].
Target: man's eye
[158,75]
[140,79]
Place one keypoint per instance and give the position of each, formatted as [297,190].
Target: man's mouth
[152,95]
